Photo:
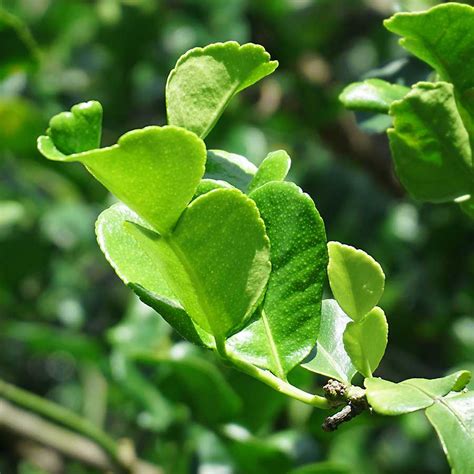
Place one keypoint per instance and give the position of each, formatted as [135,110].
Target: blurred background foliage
[71,332]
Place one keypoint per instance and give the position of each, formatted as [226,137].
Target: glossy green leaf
[207,185]
[356,279]
[365,341]
[274,167]
[286,328]
[442,37]
[372,95]
[219,280]
[78,130]
[330,357]
[133,265]
[430,144]
[388,398]
[235,169]
[204,81]
[453,419]
[155,170]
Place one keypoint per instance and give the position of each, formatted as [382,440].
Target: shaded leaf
[330,357]
[133,265]
[453,419]
[286,328]
[365,341]
[356,279]
[372,95]
[219,280]
[274,167]
[204,80]
[328,467]
[388,398]
[155,170]
[235,169]
[430,144]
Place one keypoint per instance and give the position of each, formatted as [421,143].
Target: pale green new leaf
[365,341]
[230,167]
[133,265]
[330,357]
[430,144]
[274,167]
[442,37]
[372,95]
[453,419]
[388,398]
[204,80]
[356,279]
[155,170]
[286,328]
[216,261]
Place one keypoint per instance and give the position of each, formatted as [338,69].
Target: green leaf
[207,185]
[204,81]
[327,467]
[134,267]
[274,167]
[365,341]
[372,95]
[356,279]
[430,144]
[155,170]
[285,330]
[453,419]
[468,207]
[330,358]
[78,130]
[388,398]
[235,169]
[442,37]
[216,261]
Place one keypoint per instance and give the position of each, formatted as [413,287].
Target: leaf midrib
[280,372]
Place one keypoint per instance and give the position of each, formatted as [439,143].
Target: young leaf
[134,267]
[442,37]
[155,170]
[207,185]
[356,279]
[372,95]
[365,341]
[453,419]
[274,167]
[204,81]
[78,130]
[286,328]
[235,169]
[388,398]
[330,358]
[216,261]
[430,144]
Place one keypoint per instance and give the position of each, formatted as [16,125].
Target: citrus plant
[235,258]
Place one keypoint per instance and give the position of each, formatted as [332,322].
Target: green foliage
[433,134]
[365,341]
[330,357]
[356,279]
[274,167]
[204,80]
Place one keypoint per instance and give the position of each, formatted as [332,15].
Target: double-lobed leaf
[356,279]
[365,341]
[133,265]
[216,261]
[430,144]
[285,329]
[389,398]
[204,80]
[372,95]
[155,170]
[330,357]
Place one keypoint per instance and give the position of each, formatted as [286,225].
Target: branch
[79,439]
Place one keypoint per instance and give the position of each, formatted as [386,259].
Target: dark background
[71,332]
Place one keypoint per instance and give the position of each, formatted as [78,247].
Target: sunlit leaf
[274,167]
[204,80]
